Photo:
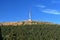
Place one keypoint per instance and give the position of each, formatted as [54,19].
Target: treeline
[31,32]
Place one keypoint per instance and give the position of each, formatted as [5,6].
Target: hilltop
[25,23]
[30,30]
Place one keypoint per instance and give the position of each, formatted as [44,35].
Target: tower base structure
[29,20]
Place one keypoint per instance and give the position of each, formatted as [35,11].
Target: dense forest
[31,32]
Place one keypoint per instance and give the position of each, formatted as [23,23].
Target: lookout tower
[30,17]
[29,21]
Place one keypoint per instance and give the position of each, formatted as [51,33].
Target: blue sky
[42,10]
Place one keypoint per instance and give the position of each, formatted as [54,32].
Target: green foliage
[31,32]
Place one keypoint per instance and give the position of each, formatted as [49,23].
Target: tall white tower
[29,16]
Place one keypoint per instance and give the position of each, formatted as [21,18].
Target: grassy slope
[31,32]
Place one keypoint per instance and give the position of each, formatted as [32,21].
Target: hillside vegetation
[31,32]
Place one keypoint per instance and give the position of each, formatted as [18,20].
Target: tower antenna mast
[30,16]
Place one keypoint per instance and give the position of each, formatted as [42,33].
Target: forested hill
[31,31]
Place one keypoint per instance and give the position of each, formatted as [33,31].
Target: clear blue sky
[42,10]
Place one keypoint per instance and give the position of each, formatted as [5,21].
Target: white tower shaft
[29,16]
